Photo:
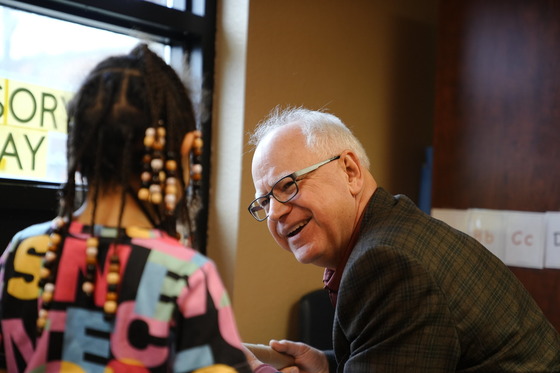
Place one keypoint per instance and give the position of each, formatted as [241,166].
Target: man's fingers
[288,347]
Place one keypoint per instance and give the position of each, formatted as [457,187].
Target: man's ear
[354,173]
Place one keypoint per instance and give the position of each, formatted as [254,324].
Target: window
[47,48]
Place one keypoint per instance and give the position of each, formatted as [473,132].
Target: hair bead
[196,166]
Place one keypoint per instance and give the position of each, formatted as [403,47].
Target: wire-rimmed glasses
[283,190]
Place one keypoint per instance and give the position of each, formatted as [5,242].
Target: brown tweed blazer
[419,296]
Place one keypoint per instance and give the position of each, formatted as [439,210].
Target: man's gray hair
[325,133]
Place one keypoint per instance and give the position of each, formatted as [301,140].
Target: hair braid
[108,117]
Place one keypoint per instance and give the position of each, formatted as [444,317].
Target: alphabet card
[552,252]
[488,227]
[453,217]
[525,232]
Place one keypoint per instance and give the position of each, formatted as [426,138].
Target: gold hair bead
[49,287]
[145,176]
[44,273]
[143,194]
[171,189]
[149,141]
[110,307]
[92,242]
[50,256]
[114,267]
[170,201]
[55,239]
[157,164]
[171,165]
[113,278]
[159,144]
[196,172]
[41,323]
[43,313]
[156,198]
[47,296]
[88,287]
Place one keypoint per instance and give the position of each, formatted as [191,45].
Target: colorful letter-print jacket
[173,316]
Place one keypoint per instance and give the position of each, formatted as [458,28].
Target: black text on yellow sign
[32,121]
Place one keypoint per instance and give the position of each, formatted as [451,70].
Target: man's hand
[251,358]
[307,358]
[257,353]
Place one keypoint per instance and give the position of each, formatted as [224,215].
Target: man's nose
[278,209]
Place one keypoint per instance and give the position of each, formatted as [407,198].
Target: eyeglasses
[283,191]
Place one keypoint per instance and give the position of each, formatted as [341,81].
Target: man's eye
[287,186]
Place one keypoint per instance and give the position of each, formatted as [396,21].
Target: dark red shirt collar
[331,278]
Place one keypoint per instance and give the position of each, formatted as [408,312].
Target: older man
[411,293]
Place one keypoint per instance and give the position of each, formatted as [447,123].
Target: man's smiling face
[317,223]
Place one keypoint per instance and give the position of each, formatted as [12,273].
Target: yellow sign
[33,128]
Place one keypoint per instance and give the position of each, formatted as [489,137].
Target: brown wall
[497,132]
[370,62]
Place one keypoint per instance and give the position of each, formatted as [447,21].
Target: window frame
[182,30]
